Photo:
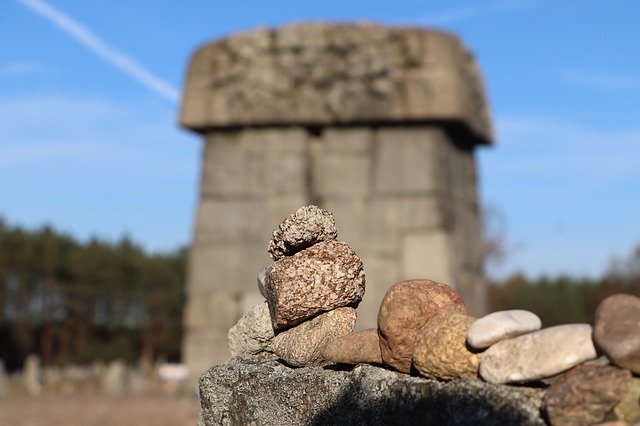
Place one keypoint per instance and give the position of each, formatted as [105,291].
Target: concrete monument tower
[376,124]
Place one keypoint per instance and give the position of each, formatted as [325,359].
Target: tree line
[565,299]
[76,302]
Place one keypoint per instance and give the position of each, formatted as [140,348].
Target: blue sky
[88,111]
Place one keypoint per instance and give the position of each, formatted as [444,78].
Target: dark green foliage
[564,299]
[78,302]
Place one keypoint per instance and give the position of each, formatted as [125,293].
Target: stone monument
[376,124]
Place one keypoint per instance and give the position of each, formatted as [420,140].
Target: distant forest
[74,302]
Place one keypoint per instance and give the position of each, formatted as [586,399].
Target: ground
[98,410]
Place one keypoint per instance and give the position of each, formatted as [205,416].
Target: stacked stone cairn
[587,375]
[311,292]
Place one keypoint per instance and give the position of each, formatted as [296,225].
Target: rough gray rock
[585,394]
[252,334]
[302,345]
[245,391]
[323,277]
[307,226]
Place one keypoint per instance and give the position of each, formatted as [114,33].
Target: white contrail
[88,39]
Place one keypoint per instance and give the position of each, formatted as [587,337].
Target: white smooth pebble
[501,325]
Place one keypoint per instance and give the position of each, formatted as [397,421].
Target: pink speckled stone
[323,277]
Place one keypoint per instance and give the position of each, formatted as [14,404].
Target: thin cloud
[568,160]
[21,69]
[601,80]
[111,55]
[67,133]
[96,166]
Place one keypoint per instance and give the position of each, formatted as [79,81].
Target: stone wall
[377,125]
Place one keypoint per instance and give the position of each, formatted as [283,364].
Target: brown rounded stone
[405,309]
[441,352]
[362,347]
[326,276]
[302,345]
[585,394]
[617,330]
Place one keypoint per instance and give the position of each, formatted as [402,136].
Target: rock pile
[311,292]
[316,282]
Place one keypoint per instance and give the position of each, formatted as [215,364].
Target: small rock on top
[305,227]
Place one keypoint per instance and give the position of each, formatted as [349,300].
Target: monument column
[376,124]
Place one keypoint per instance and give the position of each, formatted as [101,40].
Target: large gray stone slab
[244,391]
[322,73]
[226,267]
[409,159]
[254,162]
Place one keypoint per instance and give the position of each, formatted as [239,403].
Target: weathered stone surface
[406,308]
[585,394]
[628,409]
[244,391]
[501,325]
[362,347]
[321,73]
[440,351]
[325,276]
[617,330]
[537,355]
[305,227]
[32,375]
[302,345]
[253,333]
[115,379]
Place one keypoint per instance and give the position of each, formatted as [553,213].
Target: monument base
[248,391]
